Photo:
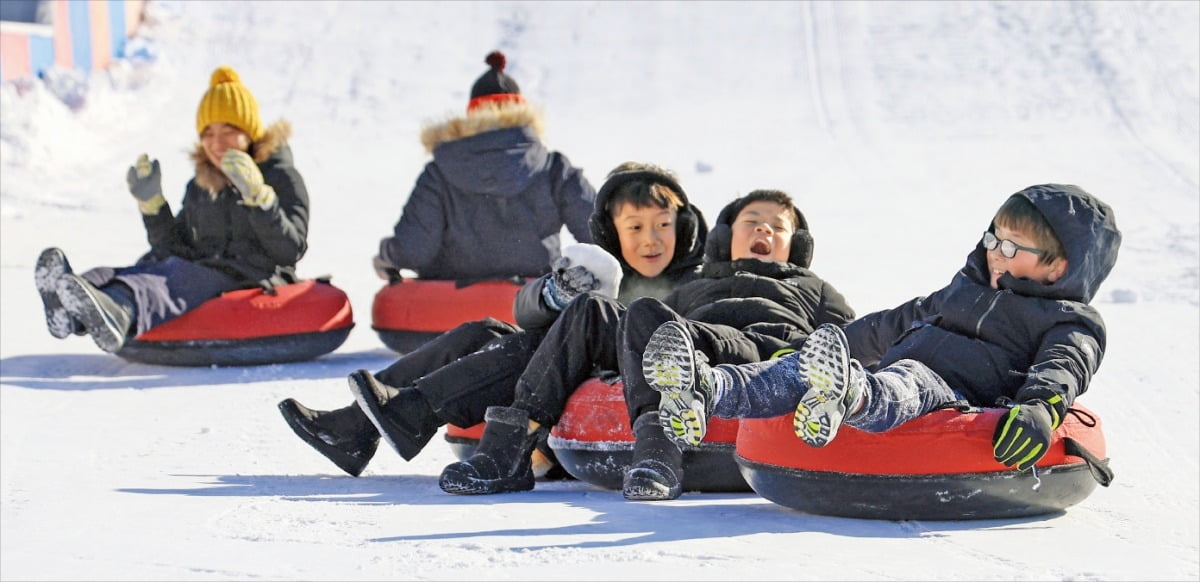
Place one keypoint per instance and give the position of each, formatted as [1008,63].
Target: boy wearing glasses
[1013,328]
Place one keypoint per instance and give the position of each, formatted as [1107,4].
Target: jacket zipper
[979,324]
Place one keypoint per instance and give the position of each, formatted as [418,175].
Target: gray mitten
[144,179]
[582,268]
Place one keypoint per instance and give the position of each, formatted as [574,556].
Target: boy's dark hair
[717,246]
[644,184]
[644,193]
[778,197]
[1018,213]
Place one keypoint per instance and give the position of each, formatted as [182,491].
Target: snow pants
[587,337]
[721,344]
[162,289]
[467,369]
[893,395]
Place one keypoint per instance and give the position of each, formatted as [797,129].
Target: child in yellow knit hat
[243,222]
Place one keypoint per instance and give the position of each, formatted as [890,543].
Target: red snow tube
[249,327]
[594,443]
[411,312]
[936,467]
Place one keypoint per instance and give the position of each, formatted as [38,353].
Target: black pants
[722,344]
[467,369]
[595,333]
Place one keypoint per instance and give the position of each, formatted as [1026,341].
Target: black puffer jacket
[748,292]
[691,230]
[1025,340]
[213,228]
[491,203]
[784,300]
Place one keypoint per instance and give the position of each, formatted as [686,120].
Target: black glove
[1022,436]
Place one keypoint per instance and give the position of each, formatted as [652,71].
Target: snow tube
[410,312]
[594,443]
[249,327]
[936,467]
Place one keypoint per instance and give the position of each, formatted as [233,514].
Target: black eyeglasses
[1008,248]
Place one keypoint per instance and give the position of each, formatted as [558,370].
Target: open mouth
[760,247]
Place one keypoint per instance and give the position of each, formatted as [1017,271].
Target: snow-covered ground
[899,127]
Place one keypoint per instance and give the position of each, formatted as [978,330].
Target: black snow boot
[107,314]
[656,473]
[501,461]
[51,266]
[344,436]
[401,415]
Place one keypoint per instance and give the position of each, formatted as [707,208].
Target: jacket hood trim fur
[488,117]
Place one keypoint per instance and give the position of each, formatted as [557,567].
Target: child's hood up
[1088,231]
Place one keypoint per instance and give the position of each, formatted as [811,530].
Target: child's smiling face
[220,137]
[647,235]
[1024,264]
[762,230]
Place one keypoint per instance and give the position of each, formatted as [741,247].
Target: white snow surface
[899,127]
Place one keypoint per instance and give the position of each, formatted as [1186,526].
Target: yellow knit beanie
[229,101]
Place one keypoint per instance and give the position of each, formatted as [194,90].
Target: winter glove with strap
[385,270]
[245,176]
[582,268]
[145,183]
[1023,435]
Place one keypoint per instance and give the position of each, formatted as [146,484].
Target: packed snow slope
[899,127]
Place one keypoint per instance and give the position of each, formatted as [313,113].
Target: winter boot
[656,473]
[501,461]
[344,436]
[402,416]
[682,375]
[51,266]
[106,315]
[824,367]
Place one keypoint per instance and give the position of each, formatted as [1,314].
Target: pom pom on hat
[494,86]
[496,60]
[229,101]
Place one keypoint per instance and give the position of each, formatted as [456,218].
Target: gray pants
[893,395]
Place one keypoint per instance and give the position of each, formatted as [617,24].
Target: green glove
[245,176]
[144,179]
[1022,436]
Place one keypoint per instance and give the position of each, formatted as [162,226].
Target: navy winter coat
[491,203]
[1025,340]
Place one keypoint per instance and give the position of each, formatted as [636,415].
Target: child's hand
[244,174]
[1022,436]
[144,179]
[582,268]
[385,270]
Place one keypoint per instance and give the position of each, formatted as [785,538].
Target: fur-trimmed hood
[211,178]
[485,118]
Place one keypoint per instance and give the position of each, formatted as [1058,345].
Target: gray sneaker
[51,265]
[673,367]
[824,366]
[105,320]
